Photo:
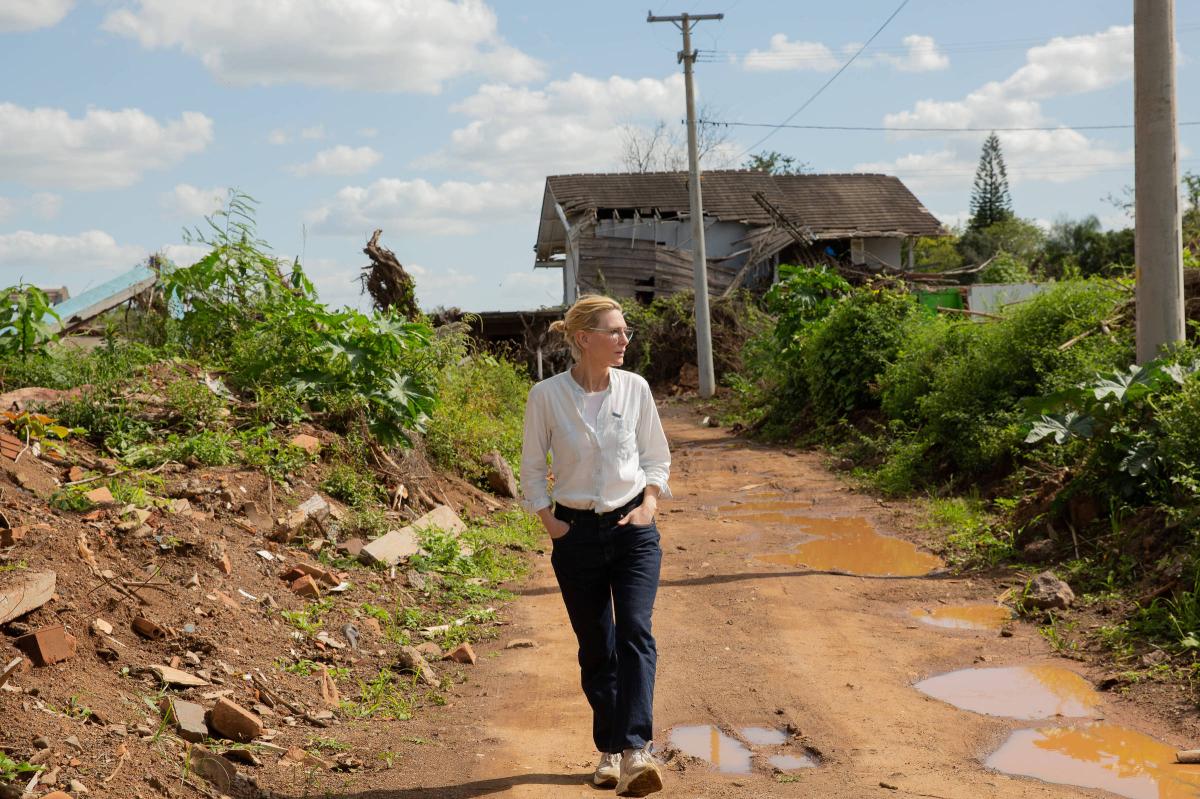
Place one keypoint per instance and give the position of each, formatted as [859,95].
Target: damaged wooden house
[629,235]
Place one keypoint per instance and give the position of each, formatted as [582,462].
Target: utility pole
[704,357]
[1158,241]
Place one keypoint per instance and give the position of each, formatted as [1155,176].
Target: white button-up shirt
[598,467]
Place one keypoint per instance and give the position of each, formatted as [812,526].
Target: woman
[611,462]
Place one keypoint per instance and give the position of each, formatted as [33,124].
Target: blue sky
[123,121]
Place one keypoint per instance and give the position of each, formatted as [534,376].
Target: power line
[834,77]
[880,129]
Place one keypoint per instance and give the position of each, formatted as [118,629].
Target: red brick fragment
[48,645]
[10,536]
[309,444]
[100,496]
[463,653]
[306,586]
[234,722]
[148,629]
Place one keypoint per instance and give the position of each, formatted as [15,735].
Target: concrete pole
[704,356]
[1158,243]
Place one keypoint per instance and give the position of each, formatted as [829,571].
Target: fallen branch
[984,314]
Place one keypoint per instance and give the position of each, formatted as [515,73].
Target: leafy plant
[14,770]
[23,325]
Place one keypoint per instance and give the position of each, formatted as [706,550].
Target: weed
[974,537]
[354,485]
[385,696]
[71,498]
[13,770]
[306,668]
[15,566]
[192,405]
[308,620]
[325,743]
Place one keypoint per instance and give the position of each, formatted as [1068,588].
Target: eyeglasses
[614,332]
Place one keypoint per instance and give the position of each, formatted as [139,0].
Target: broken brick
[351,547]
[224,564]
[234,722]
[310,444]
[306,586]
[48,645]
[463,653]
[10,536]
[316,572]
[100,496]
[148,629]
[75,474]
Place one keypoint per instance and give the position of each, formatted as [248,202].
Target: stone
[351,547]
[100,496]
[101,627]
[430,651]
[21,592]
[1039,550]
[75,474]
[296,756]
[77,788]
[310,444]
[409,659]
[234,722]
[214,768]
[188,718]
[73,742]
[175,677]
[521,643]
[41,742]
[463,653]
[499,475]
[306,586]
[1048,592]
[47,645]
[398,545]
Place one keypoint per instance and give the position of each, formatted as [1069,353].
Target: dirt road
[823,663]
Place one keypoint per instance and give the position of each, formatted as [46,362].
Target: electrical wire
[832,78]
[880,129]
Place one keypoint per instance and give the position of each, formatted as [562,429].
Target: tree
[990,201]
[663,148]
[775,163]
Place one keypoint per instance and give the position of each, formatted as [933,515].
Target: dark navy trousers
[608,575]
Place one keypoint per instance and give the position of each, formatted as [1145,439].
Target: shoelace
[642,755]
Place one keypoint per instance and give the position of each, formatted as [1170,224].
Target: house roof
[831,206]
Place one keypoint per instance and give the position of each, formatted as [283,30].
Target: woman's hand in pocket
[557,528]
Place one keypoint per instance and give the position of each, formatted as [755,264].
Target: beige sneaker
[640,773]
[608,771]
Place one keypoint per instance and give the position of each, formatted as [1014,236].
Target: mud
[1104,756]
[1019,692]
[707,742]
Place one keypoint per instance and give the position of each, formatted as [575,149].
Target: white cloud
[378,45]
[278,137]
[102,149]
[191,201]
[340,160]
[922,55]
[450,208]
[524,290]
[28,15]
[76,261]
[786,55]
[571,125]
[440,287]
[1063,66]
[45,205]
[918,54]
[184,254]
[42,205]
[315,133]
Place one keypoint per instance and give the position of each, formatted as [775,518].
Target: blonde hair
[585,313]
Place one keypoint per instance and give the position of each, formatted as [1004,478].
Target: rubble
[47,645]
[463,653]
[188,718]
[410,660]
[500,475]
[310,444]
[22,592]
[398,545]
[234,722]
[175,677]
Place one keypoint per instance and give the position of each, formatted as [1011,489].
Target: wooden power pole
[704,356]
[1158,242]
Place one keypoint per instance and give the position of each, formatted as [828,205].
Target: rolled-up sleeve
[653,452]
[534,447]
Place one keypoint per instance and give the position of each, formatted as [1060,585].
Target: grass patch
[974,538]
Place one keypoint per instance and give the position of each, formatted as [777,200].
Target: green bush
[481,407]
[845,352]
[958,385]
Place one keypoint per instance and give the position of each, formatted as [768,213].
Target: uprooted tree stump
[386,281]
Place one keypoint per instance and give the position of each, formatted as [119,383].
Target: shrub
[847,351]
[481,407]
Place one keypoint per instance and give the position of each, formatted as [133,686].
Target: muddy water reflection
[789,762]
[1022,692]
[707,742]
[850,544]
[1103,756]
[964,617]
[764,736]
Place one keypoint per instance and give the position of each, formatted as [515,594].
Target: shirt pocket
[624,435]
